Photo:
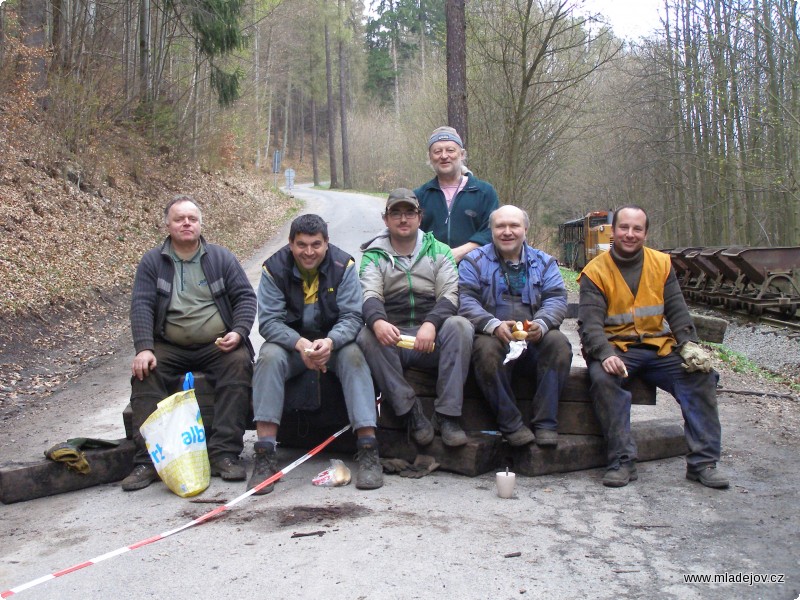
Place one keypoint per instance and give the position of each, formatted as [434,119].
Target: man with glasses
[501,284]
[456,205]
[410,285]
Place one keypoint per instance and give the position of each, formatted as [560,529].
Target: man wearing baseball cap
[410,285]
[456,205]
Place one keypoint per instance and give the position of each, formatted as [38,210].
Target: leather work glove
[70,455]
[423,465]
[394,465]
[695,358]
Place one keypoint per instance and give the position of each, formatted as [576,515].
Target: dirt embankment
[72,230]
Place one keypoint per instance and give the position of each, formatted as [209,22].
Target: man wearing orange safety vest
[633,321]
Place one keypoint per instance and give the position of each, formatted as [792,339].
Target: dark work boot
[708,476]
[521,437]
[620,476]
[546,437]
[421,427]
[265,466]
[370,471]
[140,478]
[230,468]
[450,430]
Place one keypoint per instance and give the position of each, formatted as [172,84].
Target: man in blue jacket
[500,284]
[455,204]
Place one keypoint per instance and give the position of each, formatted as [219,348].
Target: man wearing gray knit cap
[456,205]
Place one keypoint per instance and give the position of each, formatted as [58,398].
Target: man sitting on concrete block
[633,321]
[410,287]
[309,313]
[192,308]
[501,284]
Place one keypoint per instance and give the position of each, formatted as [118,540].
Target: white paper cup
[505,484]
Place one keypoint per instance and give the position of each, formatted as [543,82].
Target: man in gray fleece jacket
[410,285]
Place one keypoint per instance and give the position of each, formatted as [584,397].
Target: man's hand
[143,363]
[460,252]
[315,354]
[613,365]
[230,342]
[534,332]
[503,331]
[386,333]
[695,358]
[426,338]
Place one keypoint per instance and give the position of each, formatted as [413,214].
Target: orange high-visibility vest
[632,320]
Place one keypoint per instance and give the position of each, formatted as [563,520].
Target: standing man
[410,287]
[192,309]
[633,320]
[456,205]
[500,284]
[309,315]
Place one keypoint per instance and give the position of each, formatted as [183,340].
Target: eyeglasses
[396,215]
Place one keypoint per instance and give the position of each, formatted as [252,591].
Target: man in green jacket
[456,205]
[410,285]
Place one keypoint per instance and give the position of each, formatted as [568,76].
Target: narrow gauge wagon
[584,238]
[739,278]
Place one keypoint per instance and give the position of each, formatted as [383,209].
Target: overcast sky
[629,18]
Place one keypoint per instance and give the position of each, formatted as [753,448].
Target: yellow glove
[69,455]
[695,358]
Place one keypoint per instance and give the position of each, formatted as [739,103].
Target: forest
[699,123]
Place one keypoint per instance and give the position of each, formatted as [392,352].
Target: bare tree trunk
[396,71]
[457,67]
[257,89]
[2,34]
[144,51]
[58,36]
[302,127]
[195,92]
[331,111]
[679,135]
[32,19]
[422,48]
[268,133]
[286,108]
[314,145]
[343,103]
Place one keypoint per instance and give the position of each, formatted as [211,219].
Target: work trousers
[275,365]
[549,360]
[229,373]
[695,392]
[450,359]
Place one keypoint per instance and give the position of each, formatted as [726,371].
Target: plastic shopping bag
[176,440]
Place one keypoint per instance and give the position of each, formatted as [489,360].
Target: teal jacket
[468,218]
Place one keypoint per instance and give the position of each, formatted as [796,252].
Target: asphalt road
[442,536]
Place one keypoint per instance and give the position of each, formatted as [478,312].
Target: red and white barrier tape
[202,519]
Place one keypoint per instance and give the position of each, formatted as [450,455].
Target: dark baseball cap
[401,196]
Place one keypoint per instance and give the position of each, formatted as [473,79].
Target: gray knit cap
[444,134]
